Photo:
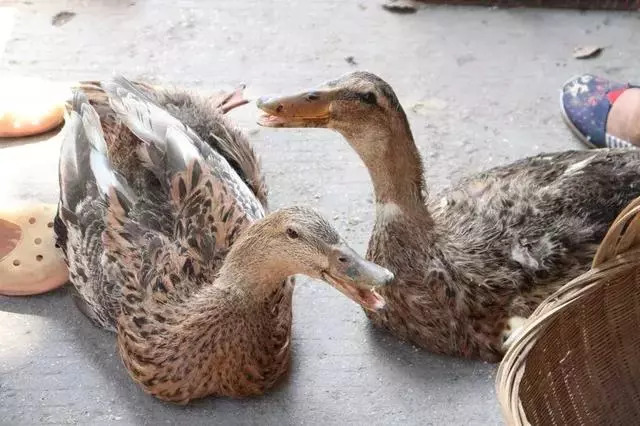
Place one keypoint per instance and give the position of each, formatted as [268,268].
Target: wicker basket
[577,362]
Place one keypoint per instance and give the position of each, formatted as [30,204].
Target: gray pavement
[480,87]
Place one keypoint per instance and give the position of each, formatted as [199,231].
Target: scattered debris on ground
[586,52]
[465,59]
[428,106]
[400,6]
[61,18]
[351,60]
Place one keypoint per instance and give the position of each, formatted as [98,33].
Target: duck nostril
[280,108]
[313,97]
[342,259]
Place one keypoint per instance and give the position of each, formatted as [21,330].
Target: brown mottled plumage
[203,114]
[471,263]
[240,191]
[170,249]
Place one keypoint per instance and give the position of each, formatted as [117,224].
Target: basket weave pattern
[578,359]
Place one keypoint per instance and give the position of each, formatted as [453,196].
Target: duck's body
[172,250]
[493,247]
[471,263]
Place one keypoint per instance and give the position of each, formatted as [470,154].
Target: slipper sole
[30,263]
[30,106]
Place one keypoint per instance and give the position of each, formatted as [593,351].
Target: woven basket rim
[618,252]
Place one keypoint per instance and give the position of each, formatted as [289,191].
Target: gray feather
[74,162]
[180,150]
[127,84]
[93,128]
[145,119]
[151,123]
[90,139]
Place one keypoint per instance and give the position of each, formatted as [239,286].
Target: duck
[173,250]
[471,263]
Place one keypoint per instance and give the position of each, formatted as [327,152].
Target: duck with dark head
[474,261]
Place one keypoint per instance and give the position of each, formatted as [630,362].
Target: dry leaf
[400,6]
[429,106]
[351,60]
[62,18]
[586,52]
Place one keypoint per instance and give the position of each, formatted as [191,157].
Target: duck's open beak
[357,278]
[307,109]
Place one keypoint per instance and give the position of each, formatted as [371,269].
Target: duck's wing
[150,123]
[538,220]
[161,243]
[118,244]
[211,204]
[79,224]
[206,221]
[595,184]
[204,115]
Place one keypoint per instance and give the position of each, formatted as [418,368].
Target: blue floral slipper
[585,103]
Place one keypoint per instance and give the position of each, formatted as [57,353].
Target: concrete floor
[480,87]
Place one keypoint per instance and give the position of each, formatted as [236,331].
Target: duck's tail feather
[226,101]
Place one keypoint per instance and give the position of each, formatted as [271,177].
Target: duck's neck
[189,349]
[247,269]
[393,160]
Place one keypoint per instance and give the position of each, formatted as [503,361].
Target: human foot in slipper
[30,106]
[602,113]
[29,261]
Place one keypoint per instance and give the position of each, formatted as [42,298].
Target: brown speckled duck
[473,262]
[170,246]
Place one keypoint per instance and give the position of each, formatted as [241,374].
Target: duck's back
[204,115]
[181,224]
[532,225]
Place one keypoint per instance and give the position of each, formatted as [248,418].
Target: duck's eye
[291,233]
[369,98]
[313,96]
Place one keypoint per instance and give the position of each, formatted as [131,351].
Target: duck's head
[298,240]
[365,110]
[356,103]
